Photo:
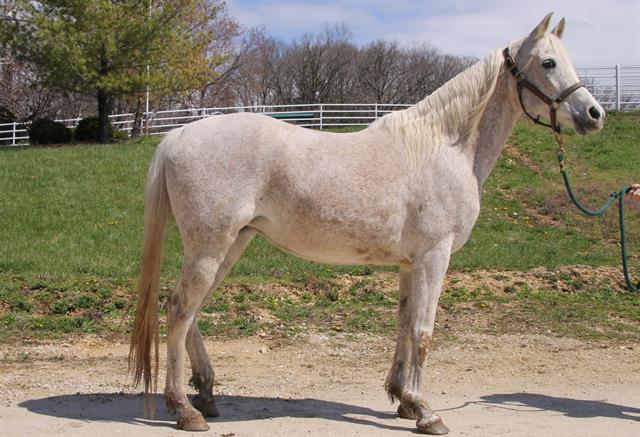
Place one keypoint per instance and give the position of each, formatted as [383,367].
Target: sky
[598,33]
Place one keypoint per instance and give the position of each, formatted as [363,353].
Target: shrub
[119,136]
[88,130]
[45,131]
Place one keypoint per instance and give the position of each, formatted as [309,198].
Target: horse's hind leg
[419,293]
[199,271]
[202,371]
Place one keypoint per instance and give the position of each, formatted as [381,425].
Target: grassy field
[71,227]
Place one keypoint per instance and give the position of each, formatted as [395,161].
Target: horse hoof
[193,422]
[436,427]
[406,414]
[206,406]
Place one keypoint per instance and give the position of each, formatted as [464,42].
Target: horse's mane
[452,112]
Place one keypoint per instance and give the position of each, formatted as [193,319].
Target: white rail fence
[616,88]
[319,116]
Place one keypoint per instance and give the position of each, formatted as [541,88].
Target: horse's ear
[559,29]
[541,28]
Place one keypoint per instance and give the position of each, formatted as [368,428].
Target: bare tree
[421,63]
[449,66]
[253,82]
[228,51]
[22,96]
[380,73]
[317,65]
[389,73]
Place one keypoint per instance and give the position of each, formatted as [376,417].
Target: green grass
[587,311]
[73,210]
[71,228]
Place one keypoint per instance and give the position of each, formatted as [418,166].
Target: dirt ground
[323,385]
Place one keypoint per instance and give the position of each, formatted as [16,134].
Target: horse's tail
[145,334]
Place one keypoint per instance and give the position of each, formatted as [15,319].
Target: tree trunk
[104,107]
[136,129]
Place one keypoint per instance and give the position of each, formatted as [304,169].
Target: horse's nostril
[594,113]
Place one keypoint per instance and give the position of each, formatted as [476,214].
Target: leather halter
[523,82]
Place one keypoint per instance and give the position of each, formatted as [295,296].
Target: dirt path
[332,385]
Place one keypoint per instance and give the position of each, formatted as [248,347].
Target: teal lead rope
[599,212]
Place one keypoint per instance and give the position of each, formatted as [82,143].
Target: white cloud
[599,33]
[288,19]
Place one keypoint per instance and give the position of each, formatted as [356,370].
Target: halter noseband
[523,82]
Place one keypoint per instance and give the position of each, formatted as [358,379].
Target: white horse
[404,191]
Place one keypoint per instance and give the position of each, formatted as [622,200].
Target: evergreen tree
[105,48]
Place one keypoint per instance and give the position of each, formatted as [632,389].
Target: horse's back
[254,145]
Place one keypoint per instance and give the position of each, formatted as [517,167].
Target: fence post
[376,110]
[13,135]
[320,116]
[618,87]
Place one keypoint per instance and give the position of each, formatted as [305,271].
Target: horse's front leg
[420,288]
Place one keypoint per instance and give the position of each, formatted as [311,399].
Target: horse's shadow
[128,408]
[577,408]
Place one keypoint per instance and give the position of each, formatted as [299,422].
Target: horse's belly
[323,243]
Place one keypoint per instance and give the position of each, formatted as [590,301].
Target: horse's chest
[468,212]
[448,209]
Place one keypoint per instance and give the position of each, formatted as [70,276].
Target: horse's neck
[497,122]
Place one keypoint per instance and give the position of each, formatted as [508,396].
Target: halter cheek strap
[523,82]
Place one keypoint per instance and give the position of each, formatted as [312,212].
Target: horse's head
[547,83]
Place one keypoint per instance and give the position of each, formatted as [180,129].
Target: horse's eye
[549,63]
